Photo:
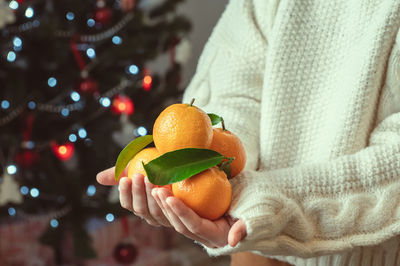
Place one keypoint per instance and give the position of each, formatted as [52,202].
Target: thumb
[237,233]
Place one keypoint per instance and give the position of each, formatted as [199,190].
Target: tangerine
[229,145]
[145,156]
[208,193]
[182,126]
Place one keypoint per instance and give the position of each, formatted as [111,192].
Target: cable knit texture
[312,87]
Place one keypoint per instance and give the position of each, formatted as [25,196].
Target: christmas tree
[75,87]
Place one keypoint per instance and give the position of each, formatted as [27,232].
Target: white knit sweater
[312,87]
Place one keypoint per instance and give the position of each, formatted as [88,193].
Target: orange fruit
[229,145]
[182,126]
[145,156]
[208,193]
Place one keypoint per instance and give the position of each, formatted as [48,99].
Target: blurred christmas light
[82,133]
[35,192]
[5,104]
[110,217]
[133,69]
[24,190]
[147,82]
[91,22]
[29,12]
[104,101]
[11,56]
[141,131]
[11,169]
[70,16]
[64,112]
[29,144]
[72,137]
[63,152]
[12,211]
[52,82]
[122,105]
[75,96]
[31,105]
[91,53]
[13,4]
[116,40]
[54,223]
[17,41]
[91,190]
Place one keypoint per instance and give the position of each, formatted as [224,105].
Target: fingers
[237,233]
[154,193]
[154,210]
[139,199]
[107,177]
[210,230]
[135,195]
[125,194]
[162,195]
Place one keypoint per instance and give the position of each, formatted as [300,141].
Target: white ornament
[126,134]
[9,191]
[183,52]
[6,14]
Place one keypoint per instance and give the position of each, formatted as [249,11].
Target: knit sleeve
[323,208]
[229,77]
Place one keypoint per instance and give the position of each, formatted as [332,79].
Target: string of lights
[12,115]
[104,100]
[22,28]
[53,217]
[48,216]
[63,109]
[99,36]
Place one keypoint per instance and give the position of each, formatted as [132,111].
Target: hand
[135,195]
[212,234]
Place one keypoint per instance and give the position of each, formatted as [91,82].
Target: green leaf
[215,119]
[181,164]
[129,152]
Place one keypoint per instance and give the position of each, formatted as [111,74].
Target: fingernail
[136,175]
[168,201]
[147,181]
[161,194]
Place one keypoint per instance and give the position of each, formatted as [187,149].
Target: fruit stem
[229,159]
[191,103]
[223,124]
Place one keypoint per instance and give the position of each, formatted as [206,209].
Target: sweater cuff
[258,207]
[316,225]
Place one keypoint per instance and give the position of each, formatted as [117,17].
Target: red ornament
[88,85]
[63,152]
[123,105]
[27,158]
[125,253]
[147,82]
[103,15]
